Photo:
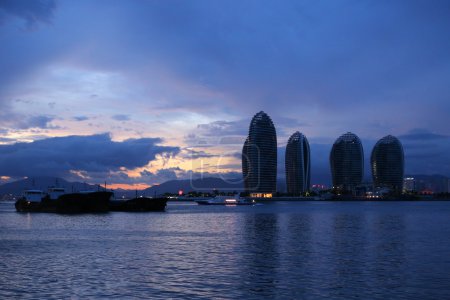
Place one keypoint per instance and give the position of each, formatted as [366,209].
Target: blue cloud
[375,67]
[43,122]
[120,117]
[81,118]
[422,134]
[19,121]
[94,154]
[31,12]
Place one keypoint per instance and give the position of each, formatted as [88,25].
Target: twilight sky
[140,92]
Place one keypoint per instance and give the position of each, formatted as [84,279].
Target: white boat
[31,200]
[225,200]
[57,200]
[33,195]
[55,192]
[37,196]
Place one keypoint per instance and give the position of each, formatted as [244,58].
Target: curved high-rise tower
[245,164]
[347,162]
[297,163]
[259,156]
[387,163]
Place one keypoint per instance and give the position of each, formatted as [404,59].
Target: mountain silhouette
[14,189]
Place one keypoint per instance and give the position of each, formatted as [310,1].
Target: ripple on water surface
[345,250]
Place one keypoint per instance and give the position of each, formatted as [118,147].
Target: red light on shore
[180,192]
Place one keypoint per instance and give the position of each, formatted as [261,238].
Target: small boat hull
[140,204]
[72,203]
[92,202]
[23,205]
[227,203]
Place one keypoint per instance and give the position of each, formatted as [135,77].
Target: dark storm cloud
[287,58]
[30,11]
[303,52]
[95,153]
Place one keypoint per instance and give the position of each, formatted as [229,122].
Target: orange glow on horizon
[135,186]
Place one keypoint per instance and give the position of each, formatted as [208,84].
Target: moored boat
[226,200]
[57,200]
[33,200]
[84,202]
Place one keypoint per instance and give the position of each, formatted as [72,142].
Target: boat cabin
[55,192]
[33,195]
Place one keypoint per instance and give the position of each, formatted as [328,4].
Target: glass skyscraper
[387,163]
[259,156]
[347,162]
[245,164]
[297,163]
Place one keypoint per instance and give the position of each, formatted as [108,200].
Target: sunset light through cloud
[192,75]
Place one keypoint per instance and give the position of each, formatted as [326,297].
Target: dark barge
[70,203]
[139,204]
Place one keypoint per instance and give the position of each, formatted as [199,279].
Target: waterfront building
[387,164]
[259,157]
[347,162]
[297,164]
[318,188]
[245,164]
[409,185]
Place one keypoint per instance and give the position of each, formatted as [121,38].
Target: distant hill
[15,188]
[173,186]
[436,183]
[205,184]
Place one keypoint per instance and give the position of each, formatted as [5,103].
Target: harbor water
[278,250]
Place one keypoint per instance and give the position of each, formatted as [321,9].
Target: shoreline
[310,199]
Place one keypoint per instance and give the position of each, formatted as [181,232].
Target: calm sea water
[302,250]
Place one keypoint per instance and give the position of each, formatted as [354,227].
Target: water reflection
[389,252]
[283,250]
[348,255]
[297,265]
[260,259]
